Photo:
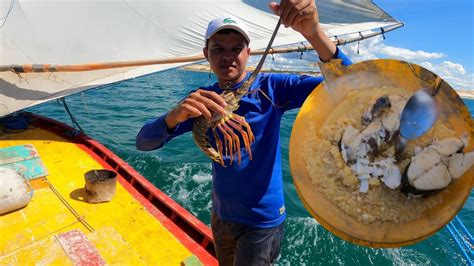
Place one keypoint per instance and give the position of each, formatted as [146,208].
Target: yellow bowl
[321,102]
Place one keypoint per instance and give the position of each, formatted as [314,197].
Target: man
[248,202]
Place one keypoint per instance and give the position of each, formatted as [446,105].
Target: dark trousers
[238,244]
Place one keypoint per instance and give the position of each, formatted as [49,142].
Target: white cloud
[427,65]
[455,74]
[452,68]
[406,54]
[376,48]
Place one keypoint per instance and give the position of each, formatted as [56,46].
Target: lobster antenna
[249,82]
[264,56]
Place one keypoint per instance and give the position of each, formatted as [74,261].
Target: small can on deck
[100,185]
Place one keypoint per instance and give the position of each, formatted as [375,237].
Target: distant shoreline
[205,68]
[466,94]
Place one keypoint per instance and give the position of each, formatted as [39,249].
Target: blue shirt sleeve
[340,55]
[154,134]
[292,90]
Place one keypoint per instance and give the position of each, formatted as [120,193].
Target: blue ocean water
[114,114]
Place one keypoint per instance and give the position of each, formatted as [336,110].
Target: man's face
[227,55]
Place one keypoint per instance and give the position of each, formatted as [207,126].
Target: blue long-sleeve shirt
[250,193]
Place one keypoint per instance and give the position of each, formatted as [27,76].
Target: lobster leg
[219,145]
[225,148]
[241,120]
[245,137]
[229,142]
[235,138]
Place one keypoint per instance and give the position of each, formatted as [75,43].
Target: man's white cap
[226,22]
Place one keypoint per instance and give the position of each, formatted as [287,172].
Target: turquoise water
[114,114]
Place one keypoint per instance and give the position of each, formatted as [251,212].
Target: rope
[4,18]
[71,209]
[302,50]
[464,229]
[358,42]
[462,238]
[268,98]
[71,116]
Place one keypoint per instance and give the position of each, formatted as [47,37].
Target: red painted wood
[79,250]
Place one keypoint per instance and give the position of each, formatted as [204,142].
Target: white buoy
[14,191]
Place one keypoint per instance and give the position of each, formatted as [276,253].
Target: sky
[438,35]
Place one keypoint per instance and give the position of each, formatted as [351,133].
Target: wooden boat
[140,225]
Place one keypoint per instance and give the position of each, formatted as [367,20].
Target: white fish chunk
[437,165]
[436,177]
[447,146]
[460,163]
[422,162]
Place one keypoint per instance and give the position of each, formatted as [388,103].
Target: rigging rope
[465,230]
[4,18]
[74,121]
[462,238]
[71,209]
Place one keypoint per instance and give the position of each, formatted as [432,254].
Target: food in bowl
[353,160]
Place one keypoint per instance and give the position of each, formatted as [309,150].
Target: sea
[114,114]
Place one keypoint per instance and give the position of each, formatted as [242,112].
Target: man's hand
[200,102]
[300,15]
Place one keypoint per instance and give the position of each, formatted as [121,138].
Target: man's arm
[153,135]
[302,16]
[157,132]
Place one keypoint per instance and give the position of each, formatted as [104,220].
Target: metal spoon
[419,114]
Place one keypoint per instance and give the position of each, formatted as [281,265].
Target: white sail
[88,32]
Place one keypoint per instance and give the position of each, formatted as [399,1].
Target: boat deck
[59,226]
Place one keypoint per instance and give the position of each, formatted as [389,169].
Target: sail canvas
[38,36]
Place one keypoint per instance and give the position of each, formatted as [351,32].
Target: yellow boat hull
[140,225]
